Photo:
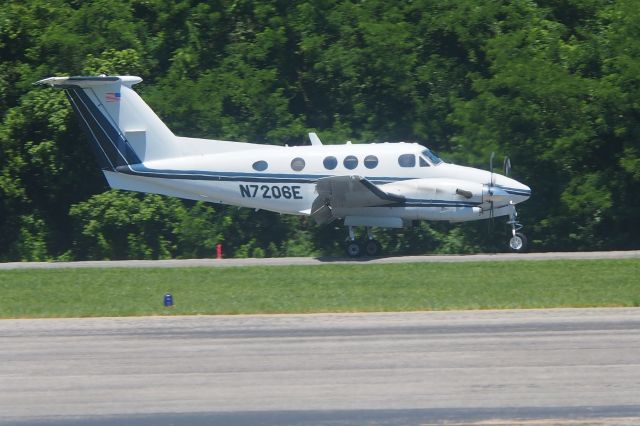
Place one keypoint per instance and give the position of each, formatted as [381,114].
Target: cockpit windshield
[435,160]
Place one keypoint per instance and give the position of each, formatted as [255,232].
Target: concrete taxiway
[288,261]
[564,366]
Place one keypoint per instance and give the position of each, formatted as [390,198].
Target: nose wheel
[367,246]
[518,242]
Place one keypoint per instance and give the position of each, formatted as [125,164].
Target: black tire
[372,248]
[518,243]
[354,249]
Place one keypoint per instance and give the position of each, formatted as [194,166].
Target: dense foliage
[554,84]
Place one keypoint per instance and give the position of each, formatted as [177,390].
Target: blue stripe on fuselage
[141,170]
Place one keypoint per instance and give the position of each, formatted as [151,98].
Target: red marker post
[218,251]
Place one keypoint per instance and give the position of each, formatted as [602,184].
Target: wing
[347,191]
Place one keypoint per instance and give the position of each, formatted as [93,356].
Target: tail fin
[123,130]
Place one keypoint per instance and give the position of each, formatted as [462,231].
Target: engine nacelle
[436,189]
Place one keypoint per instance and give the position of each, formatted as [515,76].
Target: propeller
[490,191]
[493,193]
[507,166]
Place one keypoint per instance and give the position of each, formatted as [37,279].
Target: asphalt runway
[280,261]
[544,367]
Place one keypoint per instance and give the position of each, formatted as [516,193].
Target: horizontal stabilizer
[91,81]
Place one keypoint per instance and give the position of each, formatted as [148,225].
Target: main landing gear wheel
[372,248]
[353,249]
[366,246]
[518,243]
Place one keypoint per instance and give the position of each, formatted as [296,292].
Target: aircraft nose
[519,191]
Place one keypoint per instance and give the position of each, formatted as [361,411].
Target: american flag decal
[112,96]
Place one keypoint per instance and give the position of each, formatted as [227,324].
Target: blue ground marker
[168,300]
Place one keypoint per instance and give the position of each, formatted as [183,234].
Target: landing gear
[368,246]
[518,241]
[353,249]
[372,248]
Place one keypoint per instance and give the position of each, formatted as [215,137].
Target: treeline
[554,84]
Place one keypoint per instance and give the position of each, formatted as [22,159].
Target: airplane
[389,185]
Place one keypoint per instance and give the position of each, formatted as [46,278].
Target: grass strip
[322,288]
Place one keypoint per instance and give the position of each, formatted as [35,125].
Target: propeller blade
[493,154]
[490,190]
[490,222]
[507,166]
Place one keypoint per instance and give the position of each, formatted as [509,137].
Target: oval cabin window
[297,164]
[260,166]
[330,163]
[350,162]
[370,161]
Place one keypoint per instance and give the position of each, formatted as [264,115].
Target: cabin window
[350,162]
[370,161]
[407,160]
[297,164]
[423,162]
[330,163]
[435,160]
[260,166]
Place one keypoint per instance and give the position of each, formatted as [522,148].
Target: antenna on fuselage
[315,140]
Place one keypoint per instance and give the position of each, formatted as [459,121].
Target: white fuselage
[263,177]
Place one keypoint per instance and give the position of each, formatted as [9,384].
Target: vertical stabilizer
[123,130]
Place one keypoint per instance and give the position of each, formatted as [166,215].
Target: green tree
[125,225]
[553,84]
